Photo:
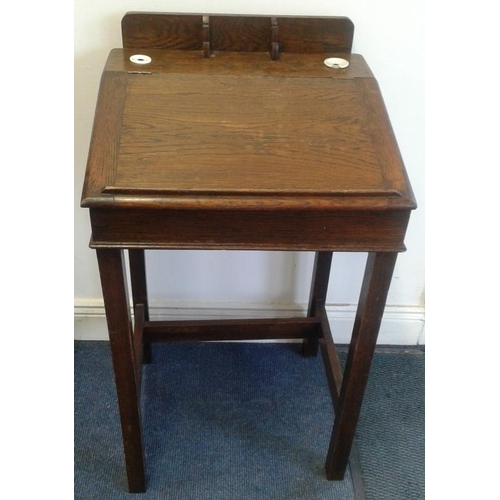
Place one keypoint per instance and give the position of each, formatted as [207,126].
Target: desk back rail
[273,34]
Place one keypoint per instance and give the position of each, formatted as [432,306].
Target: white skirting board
[401,325]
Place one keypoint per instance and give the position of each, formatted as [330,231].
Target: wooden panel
[206,229]
[148,30]
[236,33]
[245,135]
[333,34]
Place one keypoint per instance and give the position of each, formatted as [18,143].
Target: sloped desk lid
[242,131]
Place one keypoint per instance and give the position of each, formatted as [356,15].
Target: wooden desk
[237,136]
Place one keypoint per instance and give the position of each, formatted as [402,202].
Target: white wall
[389,34]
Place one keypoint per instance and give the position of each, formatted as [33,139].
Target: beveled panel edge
[105,137]
[391,162]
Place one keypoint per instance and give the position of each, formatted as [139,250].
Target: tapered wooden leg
[376,282]
[319,288]
[140,291]
[114,288]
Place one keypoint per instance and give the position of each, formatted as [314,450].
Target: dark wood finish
[138,280]
[376,282]
[313,34]
[240,33]
[213,33]
[320,279]
[262,121]
[233,230]
[229,157]
[257,64]
[105,139]
[245,329]
[331,360]
[317,297]
[150,30]
[140,291]
[138,342]
[114,289]
[334,375]
[237,136]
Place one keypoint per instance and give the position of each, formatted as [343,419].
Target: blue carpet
[391,428]
[232,421]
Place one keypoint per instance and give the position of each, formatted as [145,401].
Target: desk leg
[114,288]
[319,287]
[140,291]
[376,282]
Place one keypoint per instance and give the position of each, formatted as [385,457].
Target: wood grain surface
[151,30]
[245,134]
[355,231]
[216,131]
